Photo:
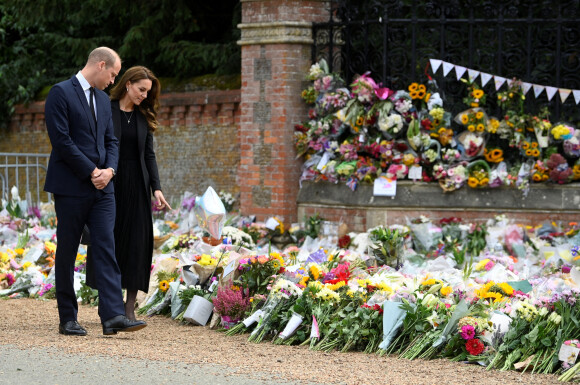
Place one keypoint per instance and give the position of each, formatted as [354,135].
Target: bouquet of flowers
[231,304]
[479,173]
[257,272]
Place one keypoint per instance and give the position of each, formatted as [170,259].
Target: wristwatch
[113,171]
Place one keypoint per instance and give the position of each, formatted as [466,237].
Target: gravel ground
[33,325]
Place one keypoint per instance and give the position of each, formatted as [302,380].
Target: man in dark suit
[82,163]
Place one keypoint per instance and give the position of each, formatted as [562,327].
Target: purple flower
[467,332]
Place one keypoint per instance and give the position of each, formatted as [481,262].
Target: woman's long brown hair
[148,106]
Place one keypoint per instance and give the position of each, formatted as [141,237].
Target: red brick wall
[196,144]
[272,80]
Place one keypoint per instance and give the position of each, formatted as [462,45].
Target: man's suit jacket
[144,144]
[77,145]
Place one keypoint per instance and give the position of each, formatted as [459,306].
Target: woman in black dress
[134,103]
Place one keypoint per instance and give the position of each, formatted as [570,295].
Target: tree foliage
[46,41]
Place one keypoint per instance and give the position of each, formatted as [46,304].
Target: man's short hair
[104,54]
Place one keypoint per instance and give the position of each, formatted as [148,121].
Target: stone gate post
[276,41]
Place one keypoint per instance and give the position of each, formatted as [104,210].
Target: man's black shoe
[71,328]
[121,323]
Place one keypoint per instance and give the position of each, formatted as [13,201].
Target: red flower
[344,241]
[474,347]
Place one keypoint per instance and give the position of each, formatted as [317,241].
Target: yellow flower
[206,260]
[19,251]
[446,290]
[480,127]
[479,115]
[481,264]
[277,256]
[314,271]
[506,288]
[472,182]
[4,257]
[478,94]
[413,86]
[26,265]
[384,287]
[163,285]
[335,286]
[464,118]
[471,128]
[49,247]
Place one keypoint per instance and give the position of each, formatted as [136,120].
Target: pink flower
[383,93]
[489,265]
[467,332]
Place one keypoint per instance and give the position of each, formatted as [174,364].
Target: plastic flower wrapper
[210,212]
[571,146]
[425,235]
[391,125]
[393,316]
[271,311]
[562,131]
[559,170]
[471,144]
[530,149]
[28,281]
[479,174]
[460,311]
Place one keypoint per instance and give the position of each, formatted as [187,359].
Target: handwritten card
[385,187]
[416,172]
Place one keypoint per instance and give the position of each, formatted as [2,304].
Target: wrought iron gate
[535,41]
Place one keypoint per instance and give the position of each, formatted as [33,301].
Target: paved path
[50,366]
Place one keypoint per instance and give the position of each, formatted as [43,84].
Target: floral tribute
[496,293]
[357,132]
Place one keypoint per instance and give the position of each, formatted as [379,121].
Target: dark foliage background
[46,41]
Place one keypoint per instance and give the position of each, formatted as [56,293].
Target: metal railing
[27,172]
[535,41]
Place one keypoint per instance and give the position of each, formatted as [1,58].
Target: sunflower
[537,177]
[464,118]
[479,115]
[276,264]
[163,285]
[359,121]
[413,87]
[480,127]
[478,94]
[472,182]
[471,128]
[526,145]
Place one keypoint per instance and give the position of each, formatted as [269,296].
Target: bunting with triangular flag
[499,81]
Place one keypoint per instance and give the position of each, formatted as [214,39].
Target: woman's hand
[160,202]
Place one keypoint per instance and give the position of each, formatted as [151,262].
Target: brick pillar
[276,54]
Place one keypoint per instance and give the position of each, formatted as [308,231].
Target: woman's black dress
[133,223]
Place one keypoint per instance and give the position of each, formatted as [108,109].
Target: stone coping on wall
[177,108]
[417,195]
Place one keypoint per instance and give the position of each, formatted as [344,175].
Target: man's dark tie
[91,105]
